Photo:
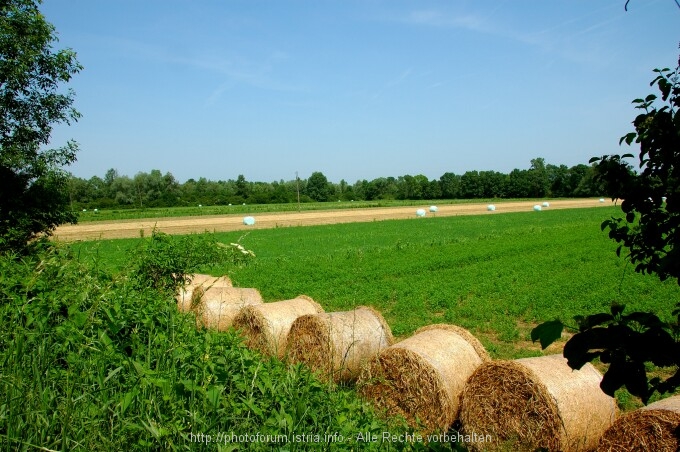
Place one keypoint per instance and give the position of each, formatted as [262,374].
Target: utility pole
[297,184]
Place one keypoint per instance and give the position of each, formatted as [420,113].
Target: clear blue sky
[356,89]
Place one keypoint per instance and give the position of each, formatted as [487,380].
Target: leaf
[547,332]
[128,398]
[617,308]
[646,319]
[112,373]
[613,379]
[578,348]
[586,323]
[595,159]
[628,138]
[213,396]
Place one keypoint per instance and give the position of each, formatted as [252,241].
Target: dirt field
[220,223]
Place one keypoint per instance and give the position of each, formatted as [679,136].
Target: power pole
[297,184]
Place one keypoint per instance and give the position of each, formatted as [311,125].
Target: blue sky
[355,89]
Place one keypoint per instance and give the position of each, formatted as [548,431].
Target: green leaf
[213,395]
[112,373]
[617,308]
[128,398]
[547,332]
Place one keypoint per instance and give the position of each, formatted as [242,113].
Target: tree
[242,187]
[34,195]
[450,185]
[650,232]
[317,187]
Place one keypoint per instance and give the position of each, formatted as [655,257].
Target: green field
[496,275]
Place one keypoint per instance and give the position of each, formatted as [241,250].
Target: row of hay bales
[439,375]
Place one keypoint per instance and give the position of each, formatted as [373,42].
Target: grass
[497,275]
[93,360]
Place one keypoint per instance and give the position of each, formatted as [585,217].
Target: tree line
[155,189]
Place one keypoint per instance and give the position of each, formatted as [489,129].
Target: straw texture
[338,344]
[421,378]
[188,296]
[219,306]
[533,403]
[265,327]
[654,427]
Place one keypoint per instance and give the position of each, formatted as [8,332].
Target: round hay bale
[210,281]
[533,403]
[420,213]
[265,327]
[338,344]
[421,378]
[537,207]
[248,221]
[219,305]
[490,207]
[654,427]
[187,297]
[434,209]
[546,204]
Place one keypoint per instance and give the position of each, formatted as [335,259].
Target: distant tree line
[155,189]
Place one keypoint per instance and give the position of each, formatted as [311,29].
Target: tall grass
[93,360]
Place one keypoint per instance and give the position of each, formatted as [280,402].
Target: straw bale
[654,427]
[421,378]
[338,344]
[265,327]
[198,279]
[219,305]
[187,299]
[533,403]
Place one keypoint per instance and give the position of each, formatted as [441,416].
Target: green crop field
[497,275]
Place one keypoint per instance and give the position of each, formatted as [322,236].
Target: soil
[222,223]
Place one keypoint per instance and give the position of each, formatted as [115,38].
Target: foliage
[317,187]
[164,261]
[649,230]
[91,361]
[33,194]
[651,198]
